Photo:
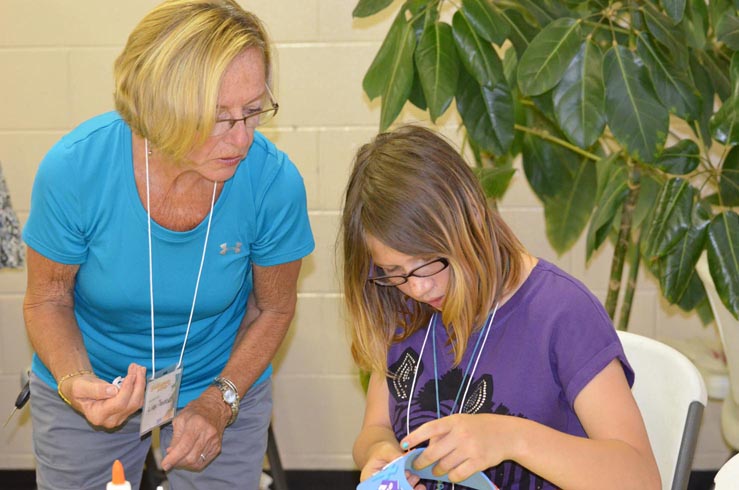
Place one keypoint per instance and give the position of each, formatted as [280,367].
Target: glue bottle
[118,481]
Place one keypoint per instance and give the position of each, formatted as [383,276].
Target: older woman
[165,241]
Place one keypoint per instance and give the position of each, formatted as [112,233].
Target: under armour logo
[225,248]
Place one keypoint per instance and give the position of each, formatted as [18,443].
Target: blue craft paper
[392,476]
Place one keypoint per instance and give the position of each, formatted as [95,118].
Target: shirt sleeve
[283,228]
[55,224]
[584,343]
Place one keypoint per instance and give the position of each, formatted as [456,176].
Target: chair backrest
[671,395]
[727,477]
[728,328]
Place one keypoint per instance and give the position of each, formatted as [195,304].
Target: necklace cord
[151,269]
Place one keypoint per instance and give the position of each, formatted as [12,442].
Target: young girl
[495,360]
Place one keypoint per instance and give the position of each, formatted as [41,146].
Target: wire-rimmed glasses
[255,117]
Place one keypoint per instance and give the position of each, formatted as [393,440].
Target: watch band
[230,396]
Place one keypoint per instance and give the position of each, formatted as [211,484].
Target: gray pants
[72,454]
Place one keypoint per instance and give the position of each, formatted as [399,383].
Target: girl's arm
[376,444]
[616,454]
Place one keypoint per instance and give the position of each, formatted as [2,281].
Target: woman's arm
[198,428]
[48,311]
[616,454]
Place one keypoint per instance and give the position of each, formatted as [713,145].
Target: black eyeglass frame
[232,122]
[405,277]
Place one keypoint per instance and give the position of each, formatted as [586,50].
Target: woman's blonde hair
[169,74]
[412,190]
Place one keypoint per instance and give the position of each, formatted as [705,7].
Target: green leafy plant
[624,115]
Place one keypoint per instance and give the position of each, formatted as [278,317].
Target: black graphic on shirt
[479,398]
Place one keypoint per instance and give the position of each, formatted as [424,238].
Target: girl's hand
[460,445]
[380,455]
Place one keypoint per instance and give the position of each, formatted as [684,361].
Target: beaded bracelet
[64,378]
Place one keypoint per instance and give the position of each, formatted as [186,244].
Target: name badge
[160,400]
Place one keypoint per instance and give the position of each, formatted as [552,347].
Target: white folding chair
[727,477]
[728,328]
[671,396]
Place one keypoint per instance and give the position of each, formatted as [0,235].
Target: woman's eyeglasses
[256,117]
[426,270]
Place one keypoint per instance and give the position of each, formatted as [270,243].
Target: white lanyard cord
[479,354]
[420,357]
[415,376]
[469,380]
[151,269]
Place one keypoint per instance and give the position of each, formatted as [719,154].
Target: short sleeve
[55,224]
[584,343]
[283,228]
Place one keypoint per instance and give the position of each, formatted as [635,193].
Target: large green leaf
[728,184]
[667,34]
[727,31]
[675,9]
[558,177]
[564,181]
[637,120]
[650,185]
[612,197]
[579,98]
[365,8]
[672,85]
[548,56]
[670,219]
[678,266]
[718,71]
[478,55]
[702,126]
[487,113]
[567,214]
[416,96]
[725,123]
[695,24]
[694,297]
[495,180]
[438,67]
[535,10]
[723,258]
[680,159]
[392,71]
[521,32]
[376,78]
[487,20]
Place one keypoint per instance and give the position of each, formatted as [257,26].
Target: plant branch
[623,241]
[635,256]
[546,135]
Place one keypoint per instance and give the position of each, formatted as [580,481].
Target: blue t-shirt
[85,209]
[546,343]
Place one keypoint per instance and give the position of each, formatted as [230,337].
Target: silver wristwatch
[230,396]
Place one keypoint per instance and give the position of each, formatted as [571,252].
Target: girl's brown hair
[412,190]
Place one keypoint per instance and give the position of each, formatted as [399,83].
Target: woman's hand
[197,432]
[460,445]
[380,455]
[103,404]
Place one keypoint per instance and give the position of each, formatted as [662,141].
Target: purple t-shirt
[545,344]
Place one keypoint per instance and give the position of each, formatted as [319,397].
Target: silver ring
[202,457]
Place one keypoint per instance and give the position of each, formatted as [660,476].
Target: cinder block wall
[56,70]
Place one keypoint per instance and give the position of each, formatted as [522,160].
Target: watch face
[229,396]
